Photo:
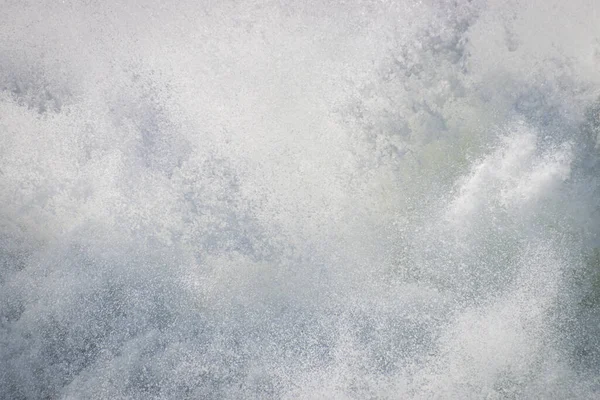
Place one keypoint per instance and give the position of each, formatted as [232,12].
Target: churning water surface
[310,199]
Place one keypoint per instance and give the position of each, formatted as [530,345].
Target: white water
[315,200]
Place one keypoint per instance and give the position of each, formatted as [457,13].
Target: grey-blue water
[256,199]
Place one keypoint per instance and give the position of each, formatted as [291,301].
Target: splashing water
[316,200]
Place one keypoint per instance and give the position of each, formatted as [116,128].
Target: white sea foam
[320,200]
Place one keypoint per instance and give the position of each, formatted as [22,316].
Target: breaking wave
[316,200]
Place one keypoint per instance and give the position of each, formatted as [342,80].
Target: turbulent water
[312,199]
